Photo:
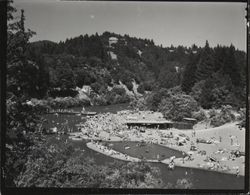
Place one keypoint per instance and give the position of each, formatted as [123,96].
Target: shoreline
[120,156]
[214,153]
[114,154]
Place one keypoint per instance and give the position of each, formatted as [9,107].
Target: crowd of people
[112,127]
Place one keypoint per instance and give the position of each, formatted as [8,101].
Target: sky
[167,23]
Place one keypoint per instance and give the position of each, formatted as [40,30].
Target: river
[201,179]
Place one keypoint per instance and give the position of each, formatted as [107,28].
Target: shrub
[154,99]
[199,115]
[96,86]
[66,102]
[183,184]
[148,86]
[129,85]
[138,104]
[178,106]
[197,90]
[141,89]
[242,114]
[100,100]
[224,116]
[119,91]
[117,96]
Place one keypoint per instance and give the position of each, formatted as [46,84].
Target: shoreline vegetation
[215,155]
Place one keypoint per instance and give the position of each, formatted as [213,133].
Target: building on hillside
[112,40]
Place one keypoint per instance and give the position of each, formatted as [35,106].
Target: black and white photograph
[126,95]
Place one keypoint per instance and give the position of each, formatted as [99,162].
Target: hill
[110,60]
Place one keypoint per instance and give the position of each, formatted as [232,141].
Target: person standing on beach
[231,138]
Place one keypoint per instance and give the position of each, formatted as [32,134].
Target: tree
[153,100]
[177,106]
[22,125]
[188,79]
[19,69]
[205,66]
[168,78]
[231,68]
[61,165]
[206,99]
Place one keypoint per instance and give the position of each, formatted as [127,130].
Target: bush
[148,86]
[200,115]
[129,85]
[224,116]
[62,93]
[99,100]
[138,104]
[154,99]
[242,114]
[197,90]
[178,106]
[141,89]
[183,184]
[117,96]
[66,102]
[119,90]
[213,112]
[96,86]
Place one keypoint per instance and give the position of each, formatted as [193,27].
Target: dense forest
[212,76]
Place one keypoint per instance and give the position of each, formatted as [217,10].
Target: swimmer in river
[237,172]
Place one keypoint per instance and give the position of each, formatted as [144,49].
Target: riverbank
[114,154]
[214,155]
[120,156]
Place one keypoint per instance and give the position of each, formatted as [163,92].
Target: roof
[149,122]
[189,119]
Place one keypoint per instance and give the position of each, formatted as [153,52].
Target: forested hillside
[212,76]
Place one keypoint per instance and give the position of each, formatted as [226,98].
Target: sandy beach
[217,157]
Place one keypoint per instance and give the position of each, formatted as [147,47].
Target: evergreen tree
[188,80]
[206,98]
[205,66]
[22,119]
[20,70]
[231,68]
[220,56]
